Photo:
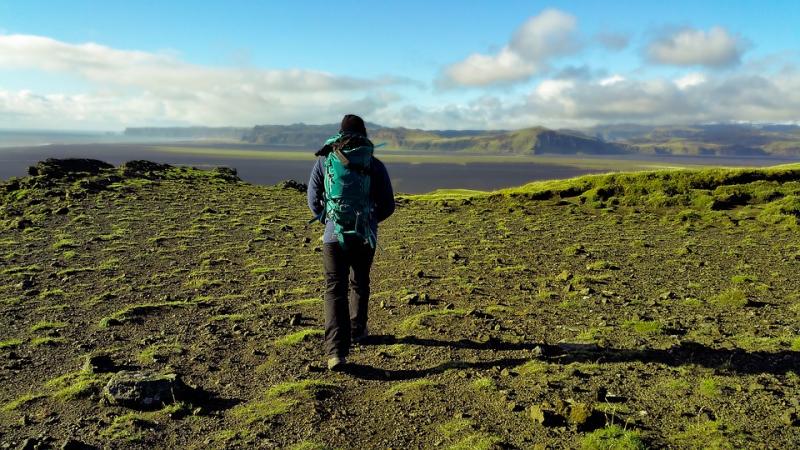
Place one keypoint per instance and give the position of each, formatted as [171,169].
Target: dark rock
[99,364]
[61,168]
[143,169]
[72,444]
[144,390]
[292,184]
[296,319]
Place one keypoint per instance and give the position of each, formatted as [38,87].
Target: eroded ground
[496,322]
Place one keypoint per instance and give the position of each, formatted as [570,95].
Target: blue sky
[106,65]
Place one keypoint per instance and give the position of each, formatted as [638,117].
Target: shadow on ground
[734,361]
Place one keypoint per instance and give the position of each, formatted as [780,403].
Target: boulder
[144,390]
[143,169]
[292,184]
[62,168]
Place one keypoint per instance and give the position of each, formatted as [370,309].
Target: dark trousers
[346,271]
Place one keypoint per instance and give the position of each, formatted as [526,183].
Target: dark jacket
[381,194]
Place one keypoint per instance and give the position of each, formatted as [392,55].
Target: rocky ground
[157,307]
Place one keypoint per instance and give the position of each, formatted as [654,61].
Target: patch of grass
[22,270]
[297,337]
[406,388]
[52,293]
[74,385]
[11,343]
[730,298]
[644,326]
[23,400]
[47,341]
[709,387]
[477,441]
[612,437]
[741,279]
[129,428]
[280,399]
[709,434]
[484,384]
[795,344]
[44,325]
[65,243]
[532,367]
[455,426]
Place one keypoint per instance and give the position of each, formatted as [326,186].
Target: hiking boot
[361,337]
[336,363]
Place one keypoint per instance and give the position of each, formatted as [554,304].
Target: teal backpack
[347,188]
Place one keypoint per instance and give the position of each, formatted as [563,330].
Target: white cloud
[689,80]
[540,39]
[135,87]
[613,79]
[689,47]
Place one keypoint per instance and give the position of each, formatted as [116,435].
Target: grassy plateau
[629,310]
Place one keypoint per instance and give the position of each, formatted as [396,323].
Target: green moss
[76,385]
[21,401]
[48,341]
[44,325]
[612,437]
[730,298]
[11,343]
[709,387]
[645,326]
[297,337]
[308,445]
[454,427]
[477,441]
[484,384]
[741,279]
[709,434]
[280,399]
[65,243]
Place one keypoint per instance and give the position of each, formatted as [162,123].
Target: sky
[91,65]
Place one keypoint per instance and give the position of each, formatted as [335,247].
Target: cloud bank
[540,39]
[690,47]
[679,81]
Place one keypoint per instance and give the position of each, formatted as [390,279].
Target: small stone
[383,304]
[505,373]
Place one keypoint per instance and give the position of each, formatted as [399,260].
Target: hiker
[350,192]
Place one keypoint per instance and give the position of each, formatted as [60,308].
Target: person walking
[350,192]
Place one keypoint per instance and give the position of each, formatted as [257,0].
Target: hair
[351,123]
